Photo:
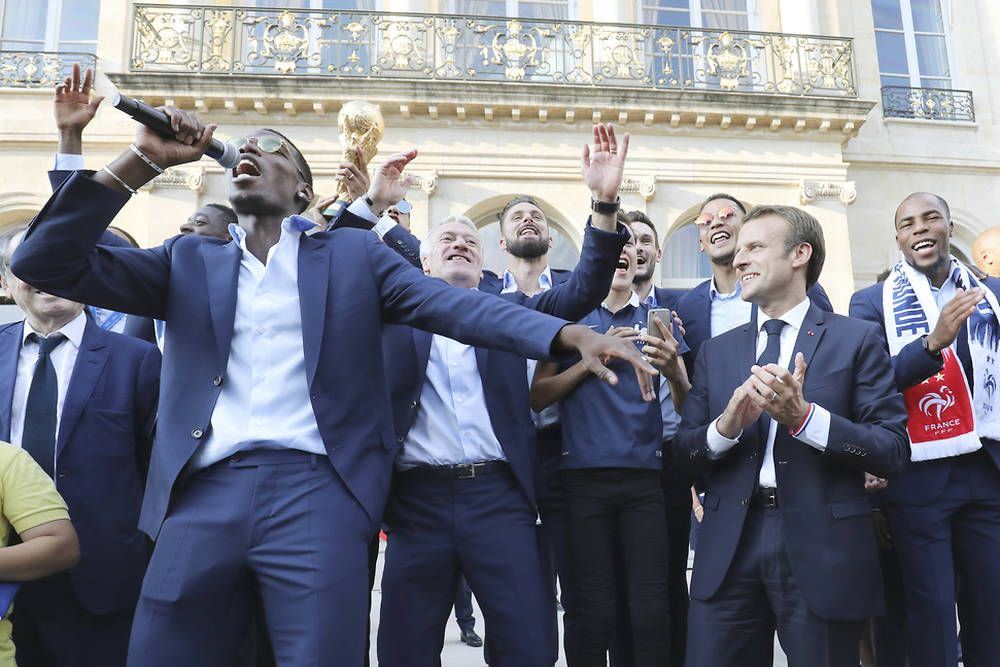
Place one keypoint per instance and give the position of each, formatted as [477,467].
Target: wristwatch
[936,356]
[608,207]
[371,205]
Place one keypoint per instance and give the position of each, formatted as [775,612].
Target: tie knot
[46,345]
[774,327]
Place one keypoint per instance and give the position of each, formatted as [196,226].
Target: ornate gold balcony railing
[39,69]
[927,103]
[376,45]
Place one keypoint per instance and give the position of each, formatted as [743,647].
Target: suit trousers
[52,628]
[280,522]
[612,508]
[555,536]
[956,536]
[482,528]
[759,594]
[463,606]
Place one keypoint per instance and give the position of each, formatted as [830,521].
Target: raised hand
[596,350]
[602,167]
[953,316]
[315,213]
[191,138]
[779,392]
[355,176]
[388,185]
[74,109]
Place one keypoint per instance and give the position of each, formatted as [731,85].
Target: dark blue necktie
[772,350]
[39,436]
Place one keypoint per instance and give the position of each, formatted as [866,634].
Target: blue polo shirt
[606,426]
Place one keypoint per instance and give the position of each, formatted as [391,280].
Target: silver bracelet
[120,181]
[152,165]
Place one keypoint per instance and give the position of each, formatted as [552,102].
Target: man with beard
[941,327]
[647,255]
[715,306]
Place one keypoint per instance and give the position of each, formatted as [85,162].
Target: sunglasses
[723,213]
[268,143]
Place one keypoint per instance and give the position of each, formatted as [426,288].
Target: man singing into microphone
[275,442]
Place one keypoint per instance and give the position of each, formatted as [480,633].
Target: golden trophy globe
[361,126]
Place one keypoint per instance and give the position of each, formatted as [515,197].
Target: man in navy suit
[463,499]
[102,409]
[944,508]
[783,456]
[274,440]
[715,306]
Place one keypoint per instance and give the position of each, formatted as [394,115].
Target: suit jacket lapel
[222,271]
[90,362]
[483,362]
[10,348]
[809,336]
[314,279]
[422,345]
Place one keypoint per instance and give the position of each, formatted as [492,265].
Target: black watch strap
[607,207]
[936,356]
[371,205]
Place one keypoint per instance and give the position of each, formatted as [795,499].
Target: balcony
[373,45]
[927,103]
[39,69]
[298,61]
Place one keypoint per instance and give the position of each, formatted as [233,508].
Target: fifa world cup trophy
[361,126]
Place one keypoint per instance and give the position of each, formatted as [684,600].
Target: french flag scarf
[945,417]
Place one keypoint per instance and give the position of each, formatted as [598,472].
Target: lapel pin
[809,333]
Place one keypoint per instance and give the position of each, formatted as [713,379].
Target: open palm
[602,167]
[73,107]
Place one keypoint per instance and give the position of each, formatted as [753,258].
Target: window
[526,9]
[49,25]
[911,42]
[681,259]
[723,14]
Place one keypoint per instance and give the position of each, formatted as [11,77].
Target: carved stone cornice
[188,178]
[810,191]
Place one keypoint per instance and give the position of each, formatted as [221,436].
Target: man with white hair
[463,495]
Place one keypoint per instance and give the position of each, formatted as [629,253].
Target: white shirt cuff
[719,444]
[815,432]
[384,224]
[359,208]
[68,162]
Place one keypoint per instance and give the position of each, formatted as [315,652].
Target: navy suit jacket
[102,449]
[695,311]
[349,284]
[822,501]
[504,375]
[921,482]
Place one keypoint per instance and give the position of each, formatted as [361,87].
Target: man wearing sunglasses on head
[274,441]
[716,305]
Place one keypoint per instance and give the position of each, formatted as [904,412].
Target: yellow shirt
[28,498]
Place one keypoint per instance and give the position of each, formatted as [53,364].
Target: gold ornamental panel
[394,45]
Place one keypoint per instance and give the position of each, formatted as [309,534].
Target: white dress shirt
[452,423]
[728,311]
[264,402]
[816,432]
[63,359]
[550,415]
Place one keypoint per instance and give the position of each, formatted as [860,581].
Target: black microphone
[224,153]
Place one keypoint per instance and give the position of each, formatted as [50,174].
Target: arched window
[49,25]
[684,265]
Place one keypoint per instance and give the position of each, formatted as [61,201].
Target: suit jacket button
[413,404]
[744,502]
[217,380]
[197,433]
[399,439]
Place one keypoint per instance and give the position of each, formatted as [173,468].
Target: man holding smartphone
[611,465]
